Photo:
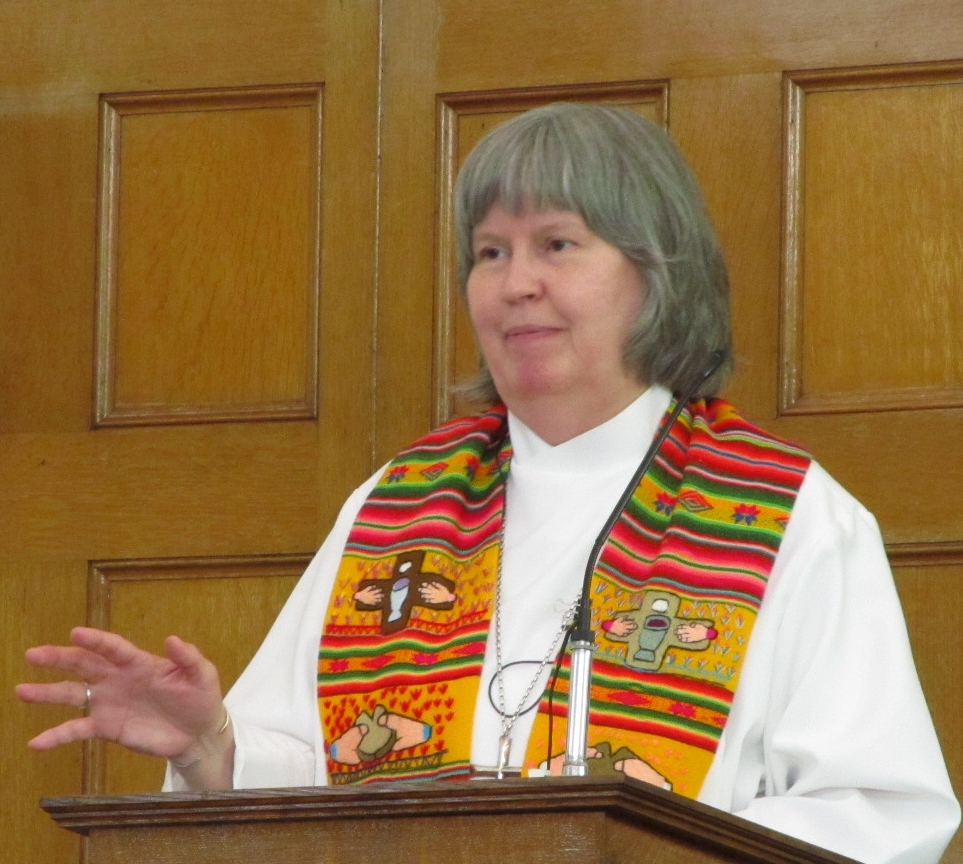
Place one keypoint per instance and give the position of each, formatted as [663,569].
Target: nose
[523,278]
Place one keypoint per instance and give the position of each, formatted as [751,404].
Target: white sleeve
[830,739]
[273,705]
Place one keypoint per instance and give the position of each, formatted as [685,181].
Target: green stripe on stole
[674,598]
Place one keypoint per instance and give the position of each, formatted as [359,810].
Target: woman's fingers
[76,661]
[78,729]
[115,649]
[61,693]
[95,656]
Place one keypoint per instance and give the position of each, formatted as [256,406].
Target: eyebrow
[561,223]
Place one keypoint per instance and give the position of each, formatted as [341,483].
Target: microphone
[583,638]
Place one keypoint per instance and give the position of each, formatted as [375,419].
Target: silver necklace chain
[508,722]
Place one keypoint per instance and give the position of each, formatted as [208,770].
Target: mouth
[522,330]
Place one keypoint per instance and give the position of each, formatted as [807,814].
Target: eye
[488,253]
[558,244]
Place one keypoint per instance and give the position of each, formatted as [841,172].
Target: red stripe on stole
[330,689]
[444,538]
[762,475]
[681,543]
[445,505]
[390,515]
[668,681]
[668,729]
[731,460]
[712,583]
[454,433]
[742,443]
[630,531]
[466,626]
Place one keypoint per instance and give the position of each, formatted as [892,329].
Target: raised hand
[163,706]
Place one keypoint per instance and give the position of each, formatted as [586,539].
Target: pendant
[504,750]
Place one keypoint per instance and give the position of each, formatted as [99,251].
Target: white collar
[628,435]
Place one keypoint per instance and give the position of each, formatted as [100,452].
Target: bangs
[537,179]
[529,167]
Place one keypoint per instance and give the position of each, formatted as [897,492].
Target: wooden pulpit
[543,821]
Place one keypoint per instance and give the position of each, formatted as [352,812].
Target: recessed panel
[464,118]
[929,579]
[875,241]
[233,602]
[208,282]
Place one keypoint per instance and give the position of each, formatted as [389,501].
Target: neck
[555,420]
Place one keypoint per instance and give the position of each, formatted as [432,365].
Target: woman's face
[552,304]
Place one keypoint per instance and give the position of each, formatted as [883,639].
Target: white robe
[829,738]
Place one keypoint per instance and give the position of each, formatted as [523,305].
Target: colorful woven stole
[674,599]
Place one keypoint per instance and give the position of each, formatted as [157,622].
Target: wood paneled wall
[226,287]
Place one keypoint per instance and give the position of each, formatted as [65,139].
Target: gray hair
[631,185]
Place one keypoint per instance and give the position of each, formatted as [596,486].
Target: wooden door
[828,136]
[187,241]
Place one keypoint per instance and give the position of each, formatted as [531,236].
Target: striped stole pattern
[674,599]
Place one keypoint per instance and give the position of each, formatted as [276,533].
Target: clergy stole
[674,598]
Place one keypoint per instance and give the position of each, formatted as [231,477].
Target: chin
[531,390]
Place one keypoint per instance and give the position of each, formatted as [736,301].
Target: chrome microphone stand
[579,699]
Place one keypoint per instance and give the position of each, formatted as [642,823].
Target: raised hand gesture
[169,707]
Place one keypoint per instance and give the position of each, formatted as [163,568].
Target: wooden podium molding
[544,821]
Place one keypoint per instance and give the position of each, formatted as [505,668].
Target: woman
[723,595]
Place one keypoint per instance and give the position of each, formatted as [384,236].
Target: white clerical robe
[829,738]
